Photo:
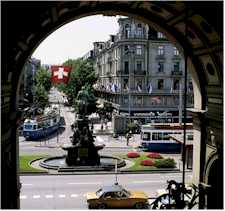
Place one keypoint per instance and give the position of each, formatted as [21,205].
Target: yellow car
[115,196]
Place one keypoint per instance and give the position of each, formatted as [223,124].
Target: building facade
[141,73]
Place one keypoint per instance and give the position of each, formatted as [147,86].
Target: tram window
[35,127]
[145,136]
[165,136]
[160,136]
[28,127]
[154,136]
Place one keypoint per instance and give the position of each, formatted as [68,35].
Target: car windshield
[127,193]
[99,192]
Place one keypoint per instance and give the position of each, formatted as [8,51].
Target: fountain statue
[82,153]
[82,150]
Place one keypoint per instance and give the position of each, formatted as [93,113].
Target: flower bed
[133,155]
[147,163]
[154,155]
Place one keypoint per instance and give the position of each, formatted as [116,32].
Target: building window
[190,86]
[160,67]
[161,50]
[126,49]
[139,101]
[126,67]
[127,31]
[176,85]
[139,30]
[125,84]
[125,100]
[139,65]
[160,84]
[175,51]
[176,66]
[138,50]
[160,35]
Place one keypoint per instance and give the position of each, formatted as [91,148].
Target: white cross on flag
[60,73]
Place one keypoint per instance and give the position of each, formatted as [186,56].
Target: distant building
[141,73]
[30,69]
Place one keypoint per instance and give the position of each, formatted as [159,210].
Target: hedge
[165,163]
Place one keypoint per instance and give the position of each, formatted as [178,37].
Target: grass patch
[137,162]
[25,163]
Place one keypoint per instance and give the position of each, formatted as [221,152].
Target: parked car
[115,196]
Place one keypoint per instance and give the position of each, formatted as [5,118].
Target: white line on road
[84,183]
[36,196]
[62,195]
[23,197]
[74,195]
[49,196]
[27,184]
[148,181]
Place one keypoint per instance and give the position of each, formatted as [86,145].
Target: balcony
[140,72]
[176,73]
[134,36]
[160,57]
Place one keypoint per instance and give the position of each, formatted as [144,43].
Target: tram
[42,125]
[158,137]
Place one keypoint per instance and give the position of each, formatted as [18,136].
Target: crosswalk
[51,196]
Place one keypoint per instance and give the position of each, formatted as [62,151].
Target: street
[68,191]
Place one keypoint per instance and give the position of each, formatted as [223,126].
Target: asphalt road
[68,191]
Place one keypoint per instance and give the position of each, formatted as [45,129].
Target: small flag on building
[60,73]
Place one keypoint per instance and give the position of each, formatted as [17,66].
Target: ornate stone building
[140,72]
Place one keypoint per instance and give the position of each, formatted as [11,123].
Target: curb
[100,172]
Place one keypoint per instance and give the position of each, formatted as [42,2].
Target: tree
[105,111]
[41,96]
[43,77]
[82,74]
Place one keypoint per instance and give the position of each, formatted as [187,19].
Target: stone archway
[214,193]
[26,24]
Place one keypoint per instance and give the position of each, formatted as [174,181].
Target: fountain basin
[107,163]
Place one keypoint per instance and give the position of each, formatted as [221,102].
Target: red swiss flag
[60,74]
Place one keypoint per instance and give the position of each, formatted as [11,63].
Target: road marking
[84,183]
[148,181]
[73,195]
[85,195]
[36,196]
[62,195]
[49,196]
[26,184]
[23,197]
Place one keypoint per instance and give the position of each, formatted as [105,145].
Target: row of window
[160,85]
[139,50]
[139,66]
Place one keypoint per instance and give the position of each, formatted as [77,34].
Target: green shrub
[165,163]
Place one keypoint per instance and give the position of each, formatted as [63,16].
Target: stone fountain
[82,153]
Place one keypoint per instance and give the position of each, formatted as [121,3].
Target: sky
[75,39]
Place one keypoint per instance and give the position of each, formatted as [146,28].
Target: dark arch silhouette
[26,24]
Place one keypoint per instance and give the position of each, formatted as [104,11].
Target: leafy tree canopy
[41,96]
[43,77]
[82,74]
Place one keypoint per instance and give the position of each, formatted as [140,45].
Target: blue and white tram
[41,126]
[157,137]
